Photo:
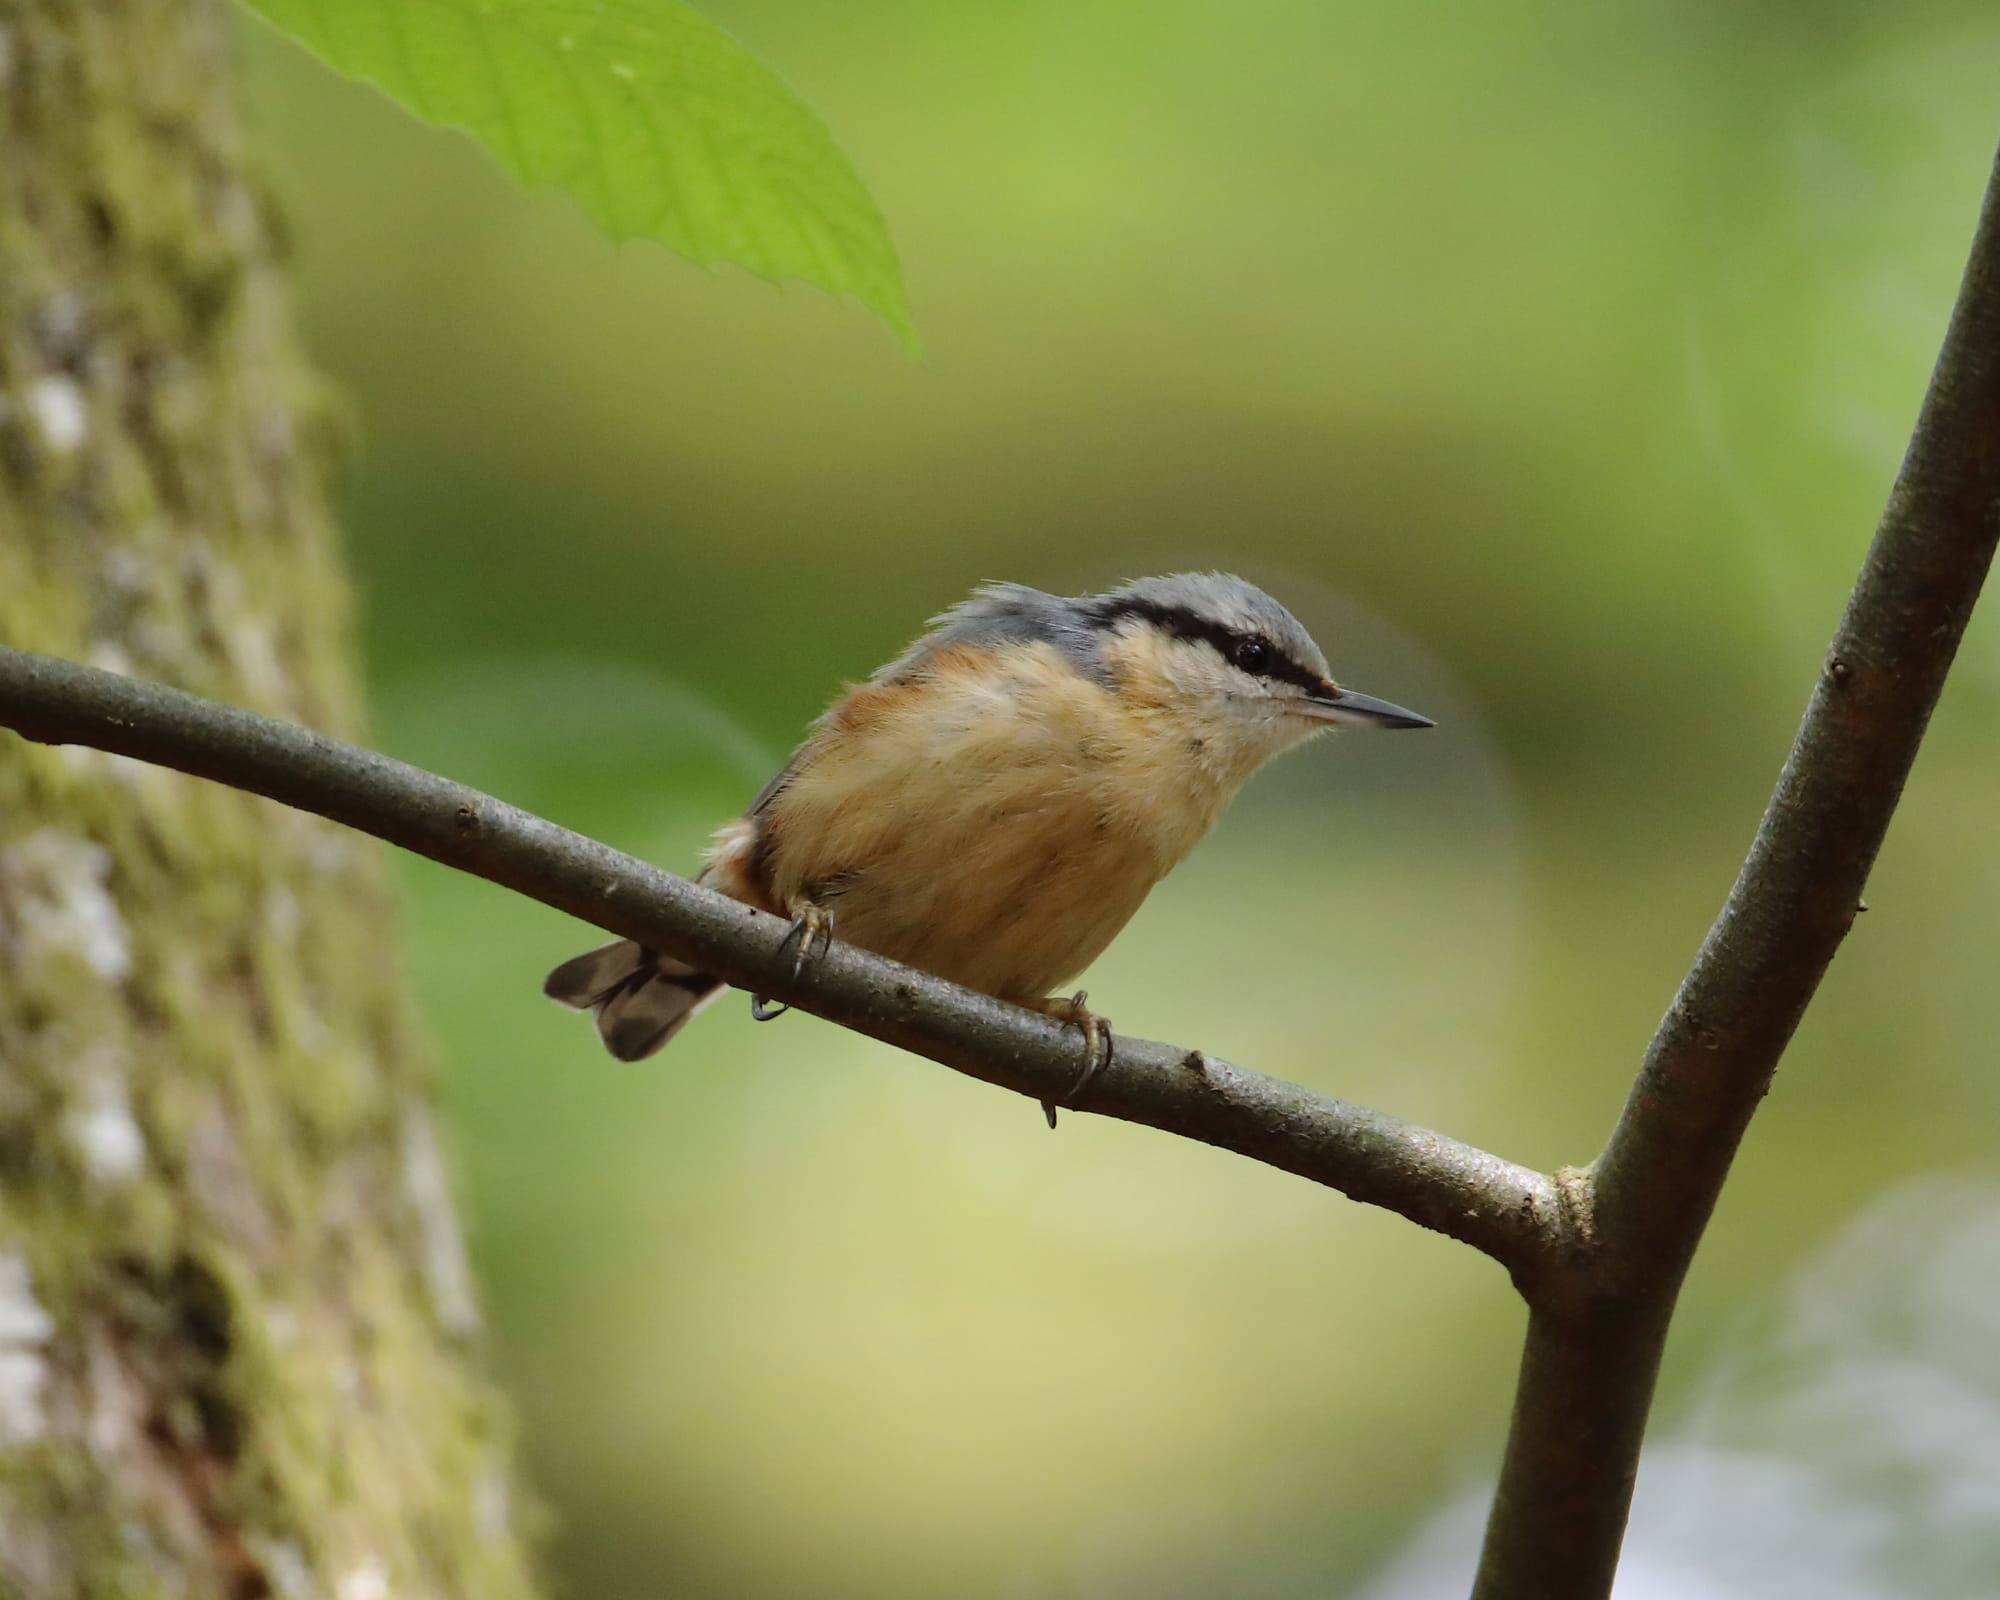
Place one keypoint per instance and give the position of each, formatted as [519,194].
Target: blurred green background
[1550,362]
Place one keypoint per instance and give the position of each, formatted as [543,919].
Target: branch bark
[1508,1211]
[1594,1342]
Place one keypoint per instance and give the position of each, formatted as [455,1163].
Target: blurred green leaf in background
[660,124]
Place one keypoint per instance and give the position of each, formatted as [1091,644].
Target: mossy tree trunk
[237,1344]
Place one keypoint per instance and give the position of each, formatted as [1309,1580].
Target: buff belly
[997,829]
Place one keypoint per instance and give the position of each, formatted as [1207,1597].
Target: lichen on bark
[237,1354]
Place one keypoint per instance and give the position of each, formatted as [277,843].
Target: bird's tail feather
[641,999]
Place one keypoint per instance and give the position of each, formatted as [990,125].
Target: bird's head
[1218,661]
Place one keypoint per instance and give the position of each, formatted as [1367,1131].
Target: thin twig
[1594,1341]
[1502,1209]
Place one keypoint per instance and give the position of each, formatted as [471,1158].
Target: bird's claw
[812,932]
[1096,1046]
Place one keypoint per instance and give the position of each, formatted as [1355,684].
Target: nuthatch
[993,805]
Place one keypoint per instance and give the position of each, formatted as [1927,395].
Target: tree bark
[238,1346]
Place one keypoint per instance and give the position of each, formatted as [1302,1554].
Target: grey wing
[776,786]
[995,614]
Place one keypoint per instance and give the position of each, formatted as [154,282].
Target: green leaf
[660,124]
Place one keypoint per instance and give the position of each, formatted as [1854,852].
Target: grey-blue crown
[1239,620]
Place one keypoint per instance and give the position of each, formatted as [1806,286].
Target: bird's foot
[1096,1044]
[812,932]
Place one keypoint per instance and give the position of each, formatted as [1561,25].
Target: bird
[994,804]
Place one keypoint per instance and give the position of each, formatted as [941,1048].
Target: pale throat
[1195,713]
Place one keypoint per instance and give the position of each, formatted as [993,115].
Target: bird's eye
[1252,655]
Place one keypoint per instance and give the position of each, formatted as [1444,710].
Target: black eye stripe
[1183,624]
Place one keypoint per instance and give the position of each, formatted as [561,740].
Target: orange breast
[995,822]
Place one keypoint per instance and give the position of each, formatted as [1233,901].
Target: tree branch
[1505,1210]
[1593,1352]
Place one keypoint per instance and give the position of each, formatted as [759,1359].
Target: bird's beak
[1346,707]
